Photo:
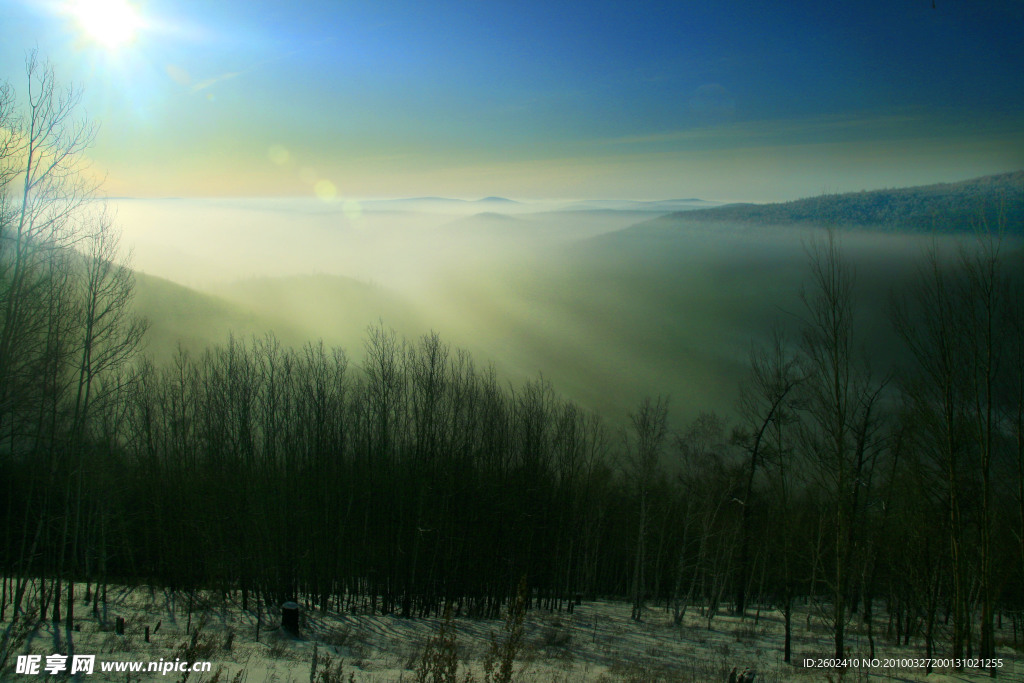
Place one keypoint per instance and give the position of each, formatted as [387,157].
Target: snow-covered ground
[598,642]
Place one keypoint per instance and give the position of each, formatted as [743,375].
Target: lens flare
[325,190]
[279,154]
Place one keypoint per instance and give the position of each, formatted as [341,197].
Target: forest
[945,208]
[416,477]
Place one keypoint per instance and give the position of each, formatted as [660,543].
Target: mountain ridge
[945,208]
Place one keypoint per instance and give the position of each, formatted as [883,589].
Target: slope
[941,208]
[195,320]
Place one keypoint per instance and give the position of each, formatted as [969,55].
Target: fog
[610,301]
[204,242]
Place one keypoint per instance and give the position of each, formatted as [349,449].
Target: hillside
[943,208]
[335,308]
[296,309]
[195,320]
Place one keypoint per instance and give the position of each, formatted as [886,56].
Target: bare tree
[649,431]
[956,322]
[987,320]
[928,323]
[43,190]
[43,161]
[709,485]
[110,332]
[764,404]
[109,335]
[841,432]
[1015,410]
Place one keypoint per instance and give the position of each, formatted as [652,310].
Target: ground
[597,642]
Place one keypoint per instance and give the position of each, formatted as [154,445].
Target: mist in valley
[630,297]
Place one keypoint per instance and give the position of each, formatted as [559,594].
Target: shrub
[439,662]
[502,654]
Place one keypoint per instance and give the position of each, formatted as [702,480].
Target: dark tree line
[416,479]
[413,480]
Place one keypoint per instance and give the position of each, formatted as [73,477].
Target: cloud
[178,75]
[184,78]
[864,126]
[209,82]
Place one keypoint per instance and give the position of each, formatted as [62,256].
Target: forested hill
[942,208]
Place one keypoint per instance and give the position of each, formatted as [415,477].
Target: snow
[597,642]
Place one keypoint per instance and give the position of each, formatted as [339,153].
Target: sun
[110,23]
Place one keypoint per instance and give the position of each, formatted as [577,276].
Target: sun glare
[111,23]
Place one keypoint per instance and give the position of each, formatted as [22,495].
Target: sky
[734,100]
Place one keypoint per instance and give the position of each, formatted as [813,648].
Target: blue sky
[731,100]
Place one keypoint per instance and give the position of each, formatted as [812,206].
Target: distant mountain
[659,206]
[941,208]
[413,204]
[496,200]
[494,215]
